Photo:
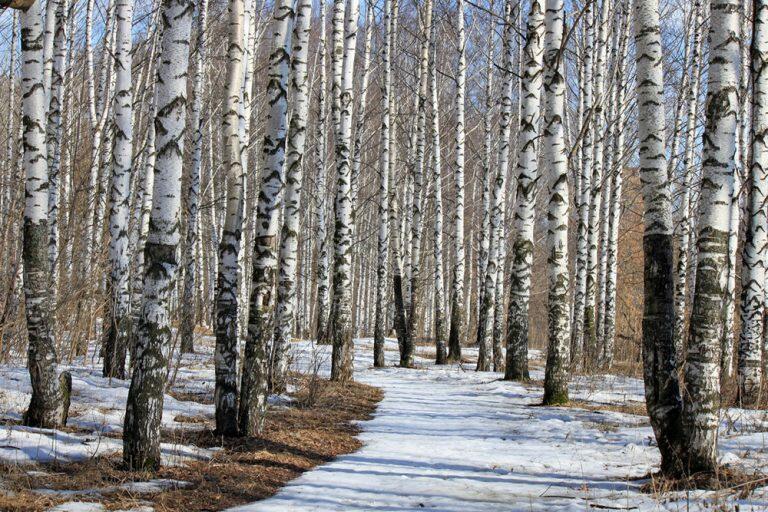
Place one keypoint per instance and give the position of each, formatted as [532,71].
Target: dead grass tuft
[725,478]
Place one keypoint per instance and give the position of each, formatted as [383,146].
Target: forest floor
[442,438]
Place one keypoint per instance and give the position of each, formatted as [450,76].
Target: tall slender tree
[253,387]
[527,167]
[118,326]
[191,277]
[702,365]
[226,352]
[754,263]
[456,330]
[555,159]
[49,405]
[487,308]
[144,409]
[289,235]
[384,164]
[341,308]
[662,393]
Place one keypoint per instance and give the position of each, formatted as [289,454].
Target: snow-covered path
[449,439]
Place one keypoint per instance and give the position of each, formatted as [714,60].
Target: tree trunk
[555,159]
[527,167]
[341,308]
[380,327]
[289,241]
[191,279]
[144,409]
[754,275]
[49,404]
[662,393]
[119,318]
[487,308]
[253,390]
[456,331]
[226,351]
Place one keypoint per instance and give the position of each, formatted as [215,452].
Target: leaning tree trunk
[191,279]
[226,353]
[289,236]
[380,327]
[456,331]
[662,393]
[555,159]
[144,409]
[527,166]
[49,405]
[341,307]
[253,387]
[119,318]
[702,365]
[754,275]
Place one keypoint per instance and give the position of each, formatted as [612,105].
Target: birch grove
[574,187]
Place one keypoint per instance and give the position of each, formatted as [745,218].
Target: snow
[451,439]
[97,412]
[443,438]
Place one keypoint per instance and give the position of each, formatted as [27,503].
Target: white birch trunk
[341,324]
[661,386]
[253,391]
[141,431]
[527,167]
[702,365]
[191,277]
[289,236]
[119,318]
[380,326]
[754,267]
[49,403]
[456,331]
[554,158]
[487,308]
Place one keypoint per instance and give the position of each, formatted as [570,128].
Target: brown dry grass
[727,479]
[295,439]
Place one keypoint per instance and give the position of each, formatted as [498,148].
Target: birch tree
[662,392]
[554,159]
[253,386]
[144,408]
[416,223]
[341,326]
[441,356]
[527,167]
[289,241]
[323,296]
[49,405]
[684,221]
[384,165]
[226,352]
[486,317]
[118,326]
[754,264]
[456,330]
[191,279]
[702,365]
